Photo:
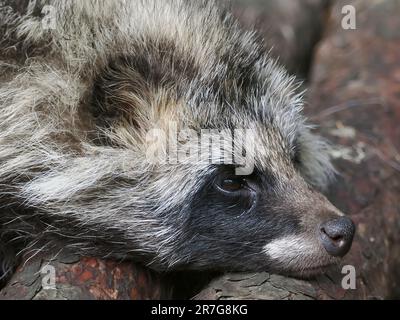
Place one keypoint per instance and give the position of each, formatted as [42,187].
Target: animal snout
[337,235]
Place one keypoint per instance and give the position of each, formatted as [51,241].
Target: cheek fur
[289,248]
[297,254]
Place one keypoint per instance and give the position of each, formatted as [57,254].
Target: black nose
[337,236]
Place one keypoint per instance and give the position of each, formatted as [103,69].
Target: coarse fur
[76,103]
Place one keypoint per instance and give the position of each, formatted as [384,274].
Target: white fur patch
[290,248]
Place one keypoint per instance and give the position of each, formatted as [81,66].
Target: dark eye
[233,186]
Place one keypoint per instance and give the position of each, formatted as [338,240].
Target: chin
[311,273]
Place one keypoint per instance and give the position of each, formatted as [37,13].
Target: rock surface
[82,278]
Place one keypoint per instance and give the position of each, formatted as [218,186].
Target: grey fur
[73,171]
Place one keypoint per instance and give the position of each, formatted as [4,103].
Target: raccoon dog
[85,85]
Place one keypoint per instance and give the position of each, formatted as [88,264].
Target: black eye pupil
[231,184]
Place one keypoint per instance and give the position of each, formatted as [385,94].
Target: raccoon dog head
[160,131]
[232,169]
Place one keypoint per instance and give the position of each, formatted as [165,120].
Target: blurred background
[290,28]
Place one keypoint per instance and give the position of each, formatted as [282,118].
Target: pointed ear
[129,98]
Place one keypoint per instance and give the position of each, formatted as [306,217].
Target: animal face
[270,218]
[259,222]
[81,160]
[202,214]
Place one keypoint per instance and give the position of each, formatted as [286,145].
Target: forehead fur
[167,43]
